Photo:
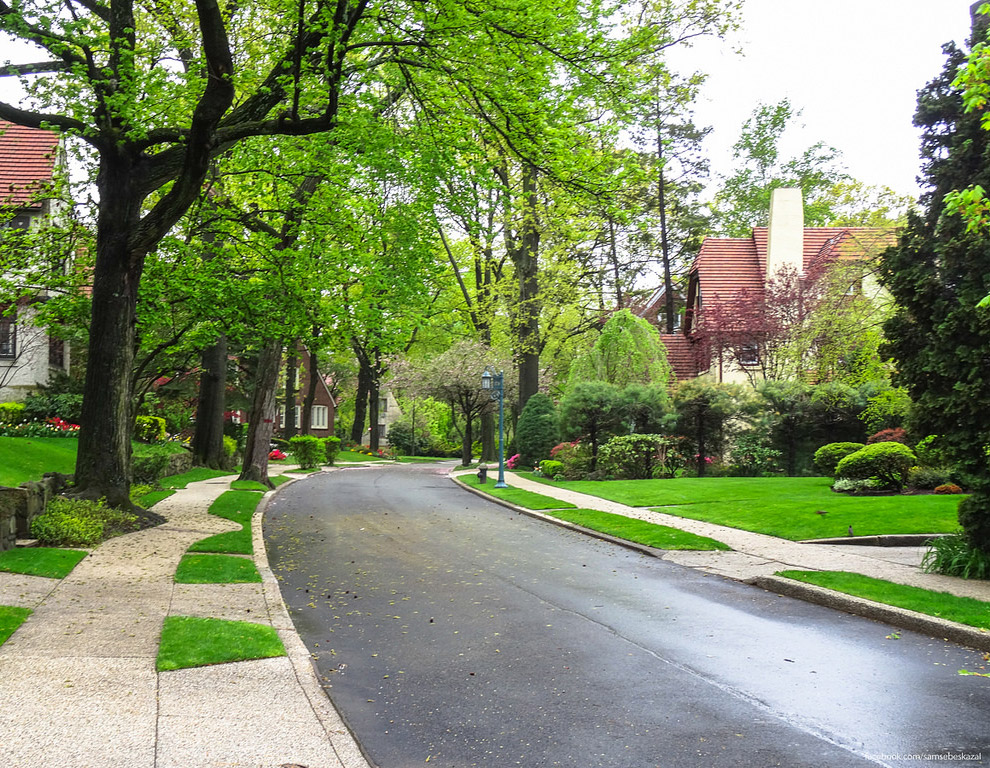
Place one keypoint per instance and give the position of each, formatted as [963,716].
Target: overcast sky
[853,66]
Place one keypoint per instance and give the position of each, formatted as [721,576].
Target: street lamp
[492,384]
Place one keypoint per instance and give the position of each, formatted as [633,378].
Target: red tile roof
[682,354]
[27,161]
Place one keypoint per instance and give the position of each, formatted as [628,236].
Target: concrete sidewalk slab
[78,685]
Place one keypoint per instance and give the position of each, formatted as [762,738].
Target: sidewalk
[78,685]
[755,558]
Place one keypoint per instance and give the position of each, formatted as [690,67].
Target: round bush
[640,457]
[308,450]
[828,456]
[890,463]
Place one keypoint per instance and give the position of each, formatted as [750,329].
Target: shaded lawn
[786,507]
[193,642]
[151,498]
[26,459]
[50,562]
[964,610]
[517,496]
[216,569]
[635,530]
[11,617]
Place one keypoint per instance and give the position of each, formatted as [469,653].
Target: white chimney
[785,239]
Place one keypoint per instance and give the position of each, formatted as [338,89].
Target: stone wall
[19,506]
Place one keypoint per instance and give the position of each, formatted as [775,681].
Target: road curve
[450,631]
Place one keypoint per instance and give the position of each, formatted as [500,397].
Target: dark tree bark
[261,424]
[312,379]
[291,384]
[361,404]
[207,442]
[525,258]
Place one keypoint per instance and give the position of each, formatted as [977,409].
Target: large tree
[158,91]
[938,274]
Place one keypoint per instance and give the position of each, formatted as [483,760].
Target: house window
[281,416]
[8,336]
[382,404]
[382,430]
[748,354]
[56,352]
[320,418]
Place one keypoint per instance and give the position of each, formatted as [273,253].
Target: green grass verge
[216,569]
[786,507]
[151,498]
[237,506]
[638,531]
[25,459]
[355,456]
[50,562]
[423,459]
[963,610]
[192,642]
[194,475]
[517,496]
[247,485]
[279,479]
[11,618]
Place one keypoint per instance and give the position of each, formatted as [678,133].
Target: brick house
[728,271]
[29,158]
[324,412]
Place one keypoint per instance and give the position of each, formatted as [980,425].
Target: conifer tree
[938,274]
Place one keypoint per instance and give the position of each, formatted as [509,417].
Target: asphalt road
[450,631]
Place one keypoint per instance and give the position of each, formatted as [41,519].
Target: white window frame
[319,417]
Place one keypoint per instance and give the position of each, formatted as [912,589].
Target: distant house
[29,158]
[323,415]
[735,288]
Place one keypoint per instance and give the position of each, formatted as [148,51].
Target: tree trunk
[291,367]
[528,310]
[311,382]
[207,442]
[374,407]
[103,461]
[261,423]
[467,440]
[361,403]
[489,438]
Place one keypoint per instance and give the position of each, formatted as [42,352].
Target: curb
[889,614]
[882,540]
[932,626]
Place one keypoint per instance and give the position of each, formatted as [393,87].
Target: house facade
[323,414]
[29,357]
[747,296]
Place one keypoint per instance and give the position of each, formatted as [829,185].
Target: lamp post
[492,384]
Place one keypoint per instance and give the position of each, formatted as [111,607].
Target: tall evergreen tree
[937,275]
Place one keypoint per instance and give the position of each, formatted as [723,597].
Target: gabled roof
[27,163]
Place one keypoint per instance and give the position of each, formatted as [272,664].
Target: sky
[852,66]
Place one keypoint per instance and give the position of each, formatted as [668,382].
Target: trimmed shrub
[536,431]
[331,447]
[928,478]
[752,454]
[844,485]
[79,522]
[889,462]
[895,435]
[11,413]
[948,488]
[640,457]
[828,456]
[43,405]
[308,450]
[575,459]
[229,447]
[150,467]
[551,468]
[150,429]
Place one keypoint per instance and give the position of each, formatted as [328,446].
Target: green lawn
[193,642]
[50,562]
[194,475]
[216,569]
[24,459]
[11,618]
[239,507]
[635,530]
[964,610]
[787,507]
[517,496]
[346,456]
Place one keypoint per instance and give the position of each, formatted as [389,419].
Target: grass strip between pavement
[216,569]
[11,617]
[517,496]
[194,642]
[237,506]
[50,562]
[963,610]
[637,531]
[194,475]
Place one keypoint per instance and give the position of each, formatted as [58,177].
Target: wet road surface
[450,631]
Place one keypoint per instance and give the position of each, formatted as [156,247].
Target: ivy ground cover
[793,508]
